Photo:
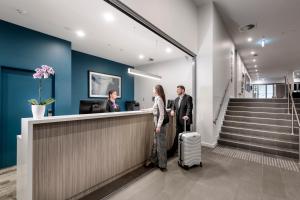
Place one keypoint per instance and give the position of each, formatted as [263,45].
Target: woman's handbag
[166,117]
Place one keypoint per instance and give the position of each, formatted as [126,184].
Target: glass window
[261,91]
[269,91]
[255,91]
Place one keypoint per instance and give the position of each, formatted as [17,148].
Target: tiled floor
[227,174]
[221,178]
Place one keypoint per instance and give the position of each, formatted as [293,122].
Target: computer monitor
[92,106]
[132,105]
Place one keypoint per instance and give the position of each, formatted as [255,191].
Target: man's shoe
[170,154]
[149,165]
[163,169]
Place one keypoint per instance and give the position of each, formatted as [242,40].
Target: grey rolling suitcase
[189,149]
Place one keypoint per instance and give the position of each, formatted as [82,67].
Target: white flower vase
[38,111]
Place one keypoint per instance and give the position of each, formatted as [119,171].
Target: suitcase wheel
[200,164]
[183,166]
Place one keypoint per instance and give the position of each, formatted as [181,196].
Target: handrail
[293,108]
[222,102]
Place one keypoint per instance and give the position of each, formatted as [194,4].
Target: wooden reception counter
[67,157]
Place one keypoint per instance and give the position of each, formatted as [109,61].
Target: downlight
[247,27]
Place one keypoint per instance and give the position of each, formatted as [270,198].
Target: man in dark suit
[183,108]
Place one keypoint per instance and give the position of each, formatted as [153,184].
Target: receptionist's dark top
[112,107]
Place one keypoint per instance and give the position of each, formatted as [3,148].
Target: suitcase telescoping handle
[184,125]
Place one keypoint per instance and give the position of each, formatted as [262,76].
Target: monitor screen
[92,106]
[132,106]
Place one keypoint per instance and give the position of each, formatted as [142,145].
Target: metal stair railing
[294,111]
[222,102]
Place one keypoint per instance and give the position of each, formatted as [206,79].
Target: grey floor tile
[271,197]
[247,190]
[274,188]
[210,192]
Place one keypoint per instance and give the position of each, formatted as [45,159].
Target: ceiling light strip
[143,74]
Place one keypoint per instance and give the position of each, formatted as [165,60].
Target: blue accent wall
[24,48]
[82,63]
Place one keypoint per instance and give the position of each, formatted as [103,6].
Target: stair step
[260,114]
[259,104]
[261,140]
[280,122]
[283,100]
[261,148]
[260,126]
[261,133]
[258,109]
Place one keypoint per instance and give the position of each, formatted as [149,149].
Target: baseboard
[209,145]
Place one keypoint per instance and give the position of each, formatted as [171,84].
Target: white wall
[223,50]
[174,72]
[204,118]
[215,70]
[177,18]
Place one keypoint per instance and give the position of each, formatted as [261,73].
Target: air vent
[151,59]
[21,11]
[247,27]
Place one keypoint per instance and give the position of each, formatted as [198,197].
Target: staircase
[262,125]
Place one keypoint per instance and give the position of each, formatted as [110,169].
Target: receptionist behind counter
[111,105]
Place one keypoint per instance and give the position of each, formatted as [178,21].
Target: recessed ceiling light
[141,56]
[256,70]
[254,60]
[255,66]
[109,17]
[249,39]
[80,33]
[168,50]
[252,52]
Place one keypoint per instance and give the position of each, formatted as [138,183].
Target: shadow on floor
[118,184]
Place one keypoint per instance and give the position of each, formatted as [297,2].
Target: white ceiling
[121,40]
[277,20]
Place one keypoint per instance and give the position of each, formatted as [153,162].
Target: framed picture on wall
[100,84]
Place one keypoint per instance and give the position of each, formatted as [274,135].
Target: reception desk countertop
[84,116]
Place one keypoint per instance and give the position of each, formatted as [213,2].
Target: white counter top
[64,118]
